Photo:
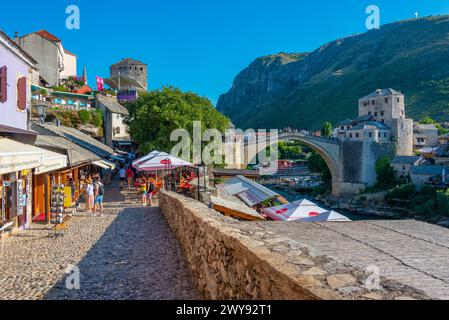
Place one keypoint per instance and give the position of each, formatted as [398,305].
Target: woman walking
[90,195]
[151,190]
[122,174]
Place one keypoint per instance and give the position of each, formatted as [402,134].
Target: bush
[385,173]
[427,208]
[85,116]
[320,190]
[97,118]
[405,192]
[442,202]
[419,200]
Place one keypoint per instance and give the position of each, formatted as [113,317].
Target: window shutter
[22,93]
[3,84]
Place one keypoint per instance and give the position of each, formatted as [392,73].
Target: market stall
[170,172]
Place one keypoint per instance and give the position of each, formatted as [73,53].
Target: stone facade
[133,69]
[403,165]
[381,120]
[384,105]
[426,135]
[246,260]
[115,128]
[402,133]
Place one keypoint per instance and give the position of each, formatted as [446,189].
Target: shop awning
[16,156]
[107,165]
[52,161]
[111,164]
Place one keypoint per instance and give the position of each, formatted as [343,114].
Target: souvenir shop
[49,186]
[16,183]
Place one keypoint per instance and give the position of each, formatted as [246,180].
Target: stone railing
[230,259]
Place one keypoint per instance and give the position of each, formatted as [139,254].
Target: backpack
[100,189]
[151,187]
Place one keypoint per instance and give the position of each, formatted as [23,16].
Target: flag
[100,84]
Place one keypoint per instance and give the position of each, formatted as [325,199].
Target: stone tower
[384,105]
[132,69]
[388,107]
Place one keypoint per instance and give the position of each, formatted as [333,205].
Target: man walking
[122,174]
[130,176]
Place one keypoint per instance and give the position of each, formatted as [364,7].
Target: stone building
[381,120]
[403,165]
[129,74]
[384,105]
[115,130]
[428,175]
[425,135]
[53,60]
[370,131]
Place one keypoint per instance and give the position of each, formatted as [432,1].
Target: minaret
[85,76]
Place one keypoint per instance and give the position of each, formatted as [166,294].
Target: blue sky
[200,45]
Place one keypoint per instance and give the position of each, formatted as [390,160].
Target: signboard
[166,162]
[67,197]
[127,95]
[20,202]
[17,163]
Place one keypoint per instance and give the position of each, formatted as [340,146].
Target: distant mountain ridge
[303,90]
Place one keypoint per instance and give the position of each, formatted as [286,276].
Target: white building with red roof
[53,60]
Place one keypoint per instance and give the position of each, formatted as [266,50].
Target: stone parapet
[246,260]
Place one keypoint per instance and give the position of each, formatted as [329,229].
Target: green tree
[442,202]
[385,173]
[429,120]
[289,150]
[156,114]
[318,165]
[326,130]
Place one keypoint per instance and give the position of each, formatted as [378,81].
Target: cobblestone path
[129,253]
[411,252]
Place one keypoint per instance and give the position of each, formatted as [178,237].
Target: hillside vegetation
[304,90]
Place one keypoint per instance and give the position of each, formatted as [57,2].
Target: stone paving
[413,253]
[129,254]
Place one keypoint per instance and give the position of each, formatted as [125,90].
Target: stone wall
[245,260]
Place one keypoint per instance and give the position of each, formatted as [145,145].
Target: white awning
[52,161]
[122,82]
[111,164]
[107,165]
[17,156]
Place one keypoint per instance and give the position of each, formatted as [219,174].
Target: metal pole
[198,183]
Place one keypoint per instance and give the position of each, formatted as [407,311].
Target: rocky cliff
[303,90]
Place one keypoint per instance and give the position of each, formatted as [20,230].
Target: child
[143,189]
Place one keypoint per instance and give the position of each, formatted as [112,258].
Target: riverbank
[374,205]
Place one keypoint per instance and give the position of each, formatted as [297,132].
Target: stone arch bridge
[351,163]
